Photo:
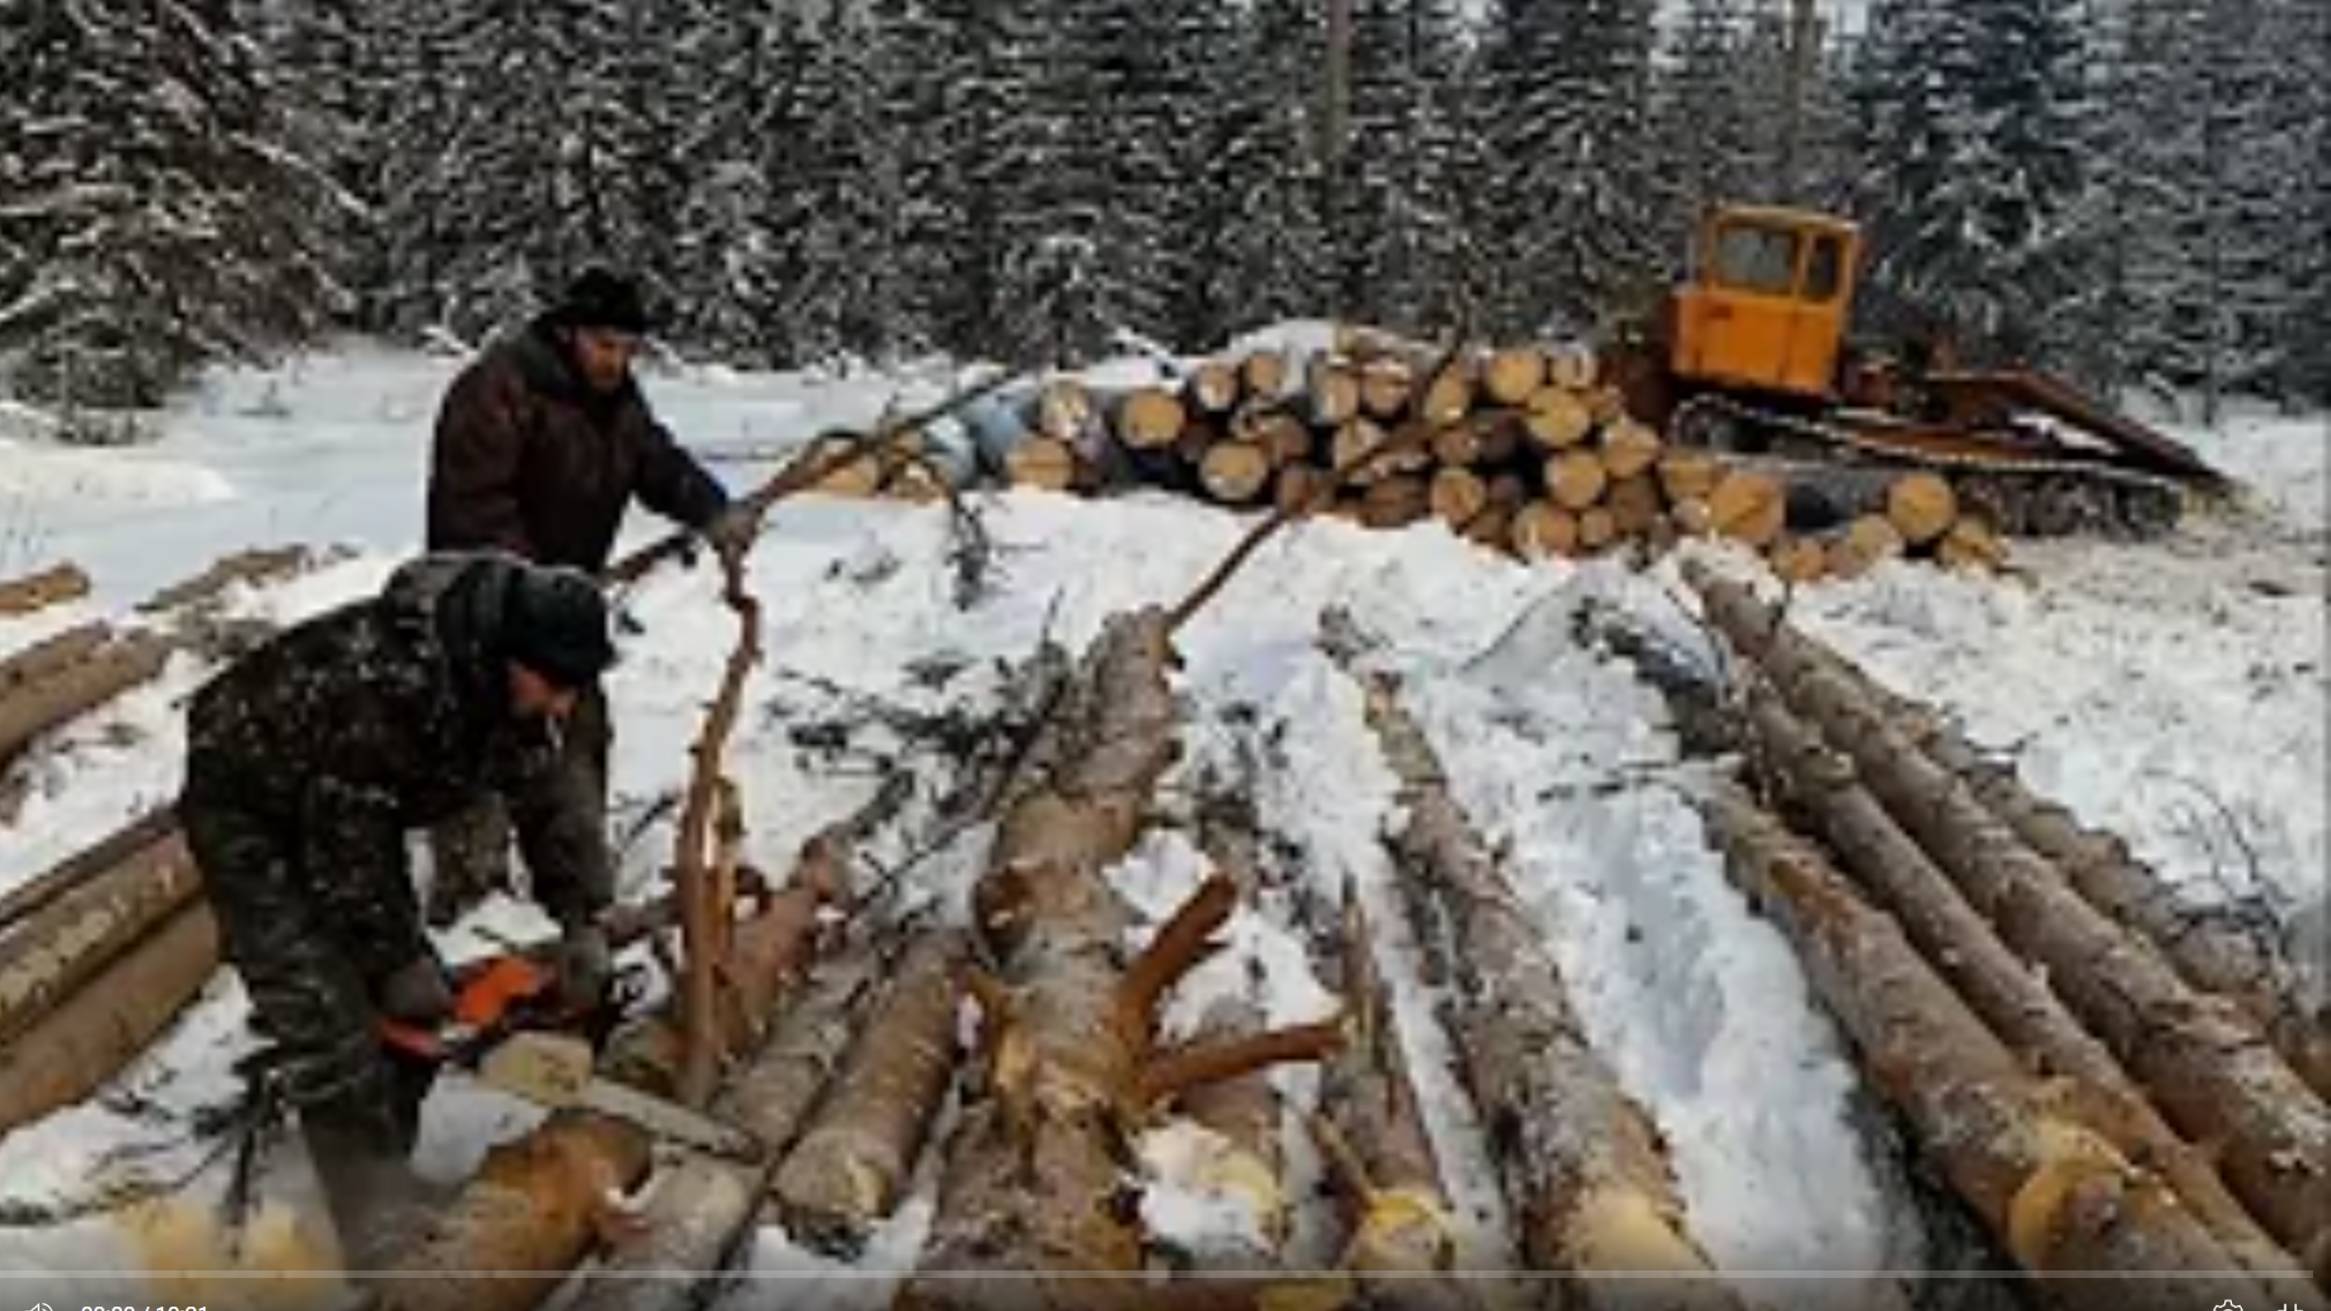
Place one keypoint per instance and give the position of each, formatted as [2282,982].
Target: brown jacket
[528,458]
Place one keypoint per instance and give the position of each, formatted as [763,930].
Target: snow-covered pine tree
[154,216]
[1269,258]
[1709,146]
[329,60]
[1580,234]
[1403,256]
[1971,122]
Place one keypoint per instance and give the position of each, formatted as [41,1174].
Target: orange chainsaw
[511,1030]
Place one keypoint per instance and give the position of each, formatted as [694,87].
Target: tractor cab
[1767,302]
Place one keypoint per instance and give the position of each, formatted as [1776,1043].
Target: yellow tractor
[1750,354]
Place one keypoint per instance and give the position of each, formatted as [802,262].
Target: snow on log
[853,1163]
[90,861]
[1513,374]
[38,591]
[58,948]
[2057,1196]
[2011,999]
[97,677]
[1243,1115]
[2208,946]
[1581,1165]
[2201,1057]
[1379,1154]
[1032,1185]
[86,1039]
[256,565]
[533,1210]
[50,654]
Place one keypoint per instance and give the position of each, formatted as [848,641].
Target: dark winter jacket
[529,458]
[388,714]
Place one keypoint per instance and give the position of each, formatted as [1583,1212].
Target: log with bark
[1042,462]
[2057,1196]
[1331,391]
[1629,449]
[98,676]
[2205,1062]
[1556,418]
[1513,374]
[1264,374]
[1869,539]
[39,590]
[1395,501]
[1921,506]
[57,651]
[1965,949]
[852,1164]
[1634,504]
[2212,948]
[1380,1157]
[82,1042]
[1575,479]
[1971,544]
[1146,418]
[50,952]
[1543,530]
[1748,506]
[89,862]
[1033,1208]
[1688,473]
[1583,1169]
[1596,528]
[1386,384]
[1235,473]
[1243,1115]
[1457,495]
[1211,388]
[1448,396]
[256,565]
[1572,366]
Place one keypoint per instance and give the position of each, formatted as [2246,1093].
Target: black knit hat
[601,298]
[554,622]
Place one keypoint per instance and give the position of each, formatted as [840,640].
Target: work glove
[584,963]
[731,531]
[418,993]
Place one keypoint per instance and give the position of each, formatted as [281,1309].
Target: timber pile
[2173,1101]
[1523,449]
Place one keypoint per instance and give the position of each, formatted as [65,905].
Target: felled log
[2211,950]
[1395,501]
[1596,528]
[1557,418]
[1583,1169]
[1748,507]
[1386,383]
[1575,479]
[1921,506]
[1040,461]
[1970,544]
[1264,373]
[1688,473]
[1235,473]
[1869,539]
[1629,448]
[58,948]
[2057,1196]
[858,475]
[1513,374]
[1798,559]
[1692,517]
[52,653]
[87,863]
[38,591]
[257,565]
[1572,366]
[1331,392]
[1293,486]
[1032,1186]
[1243,1115]
[1448,395]
[1354,439]
[1542,529]
[1634,504]
[1457,494]
[1965,949]
[1212,387]
[1281,435]
[853,1163]
[1146,418]
[1379,1154]
[87,1038]
[97,677]
[530,1213]
[2205,1063]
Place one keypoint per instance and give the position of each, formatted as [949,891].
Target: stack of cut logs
[1523,449]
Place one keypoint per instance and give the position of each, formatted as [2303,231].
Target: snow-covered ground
[2174,692]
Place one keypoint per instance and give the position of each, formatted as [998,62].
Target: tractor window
[1757,259]
[1823,270]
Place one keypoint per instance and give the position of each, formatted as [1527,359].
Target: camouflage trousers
[305,951]
[469,851]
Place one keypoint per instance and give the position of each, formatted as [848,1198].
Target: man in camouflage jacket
[541,444]
[307,762]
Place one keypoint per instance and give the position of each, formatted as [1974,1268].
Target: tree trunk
[38,591]
[1031,1201]
[1379,1154]
[1575,479]
[1582,1167]
[1921,506]
[523,1220]
[2055,1195]
[853,1164]
[1457,495]
[2205,1062]
[36,708]
[1967,951]
[54,950]
[2212,951]
[1235,473]
[87,1038]
[1514,374]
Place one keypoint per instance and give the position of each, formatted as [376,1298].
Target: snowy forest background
[2138,191]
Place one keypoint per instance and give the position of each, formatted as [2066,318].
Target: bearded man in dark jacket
[307,762]
[541,444]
